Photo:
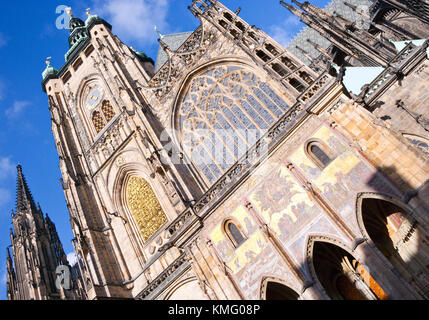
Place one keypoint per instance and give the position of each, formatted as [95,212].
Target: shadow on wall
[394,257]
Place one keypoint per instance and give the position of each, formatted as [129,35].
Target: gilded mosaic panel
[343,178]
[144,207]
[283,203]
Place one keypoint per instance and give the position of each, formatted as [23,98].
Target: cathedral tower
[37,251]
[233,170]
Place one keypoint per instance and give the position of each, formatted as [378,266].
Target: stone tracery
[225,111]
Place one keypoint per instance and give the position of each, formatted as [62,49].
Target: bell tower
[119,182]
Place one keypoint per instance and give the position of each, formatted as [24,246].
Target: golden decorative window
[145,207]
[98,121]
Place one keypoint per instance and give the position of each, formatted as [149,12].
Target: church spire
[37,251]
[295,11]
[24,199]
[10,276]
[356,43]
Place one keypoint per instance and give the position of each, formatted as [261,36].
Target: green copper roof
[91,18]
[142,56]
[75,45]
[80,33]
[50,70]
[75,23]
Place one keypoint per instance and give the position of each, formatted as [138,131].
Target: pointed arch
[221,110]
[274,288]
[118,175]
[396,234]
[338,272]
[377,196]
[186,289]
[234,232]
[418,141]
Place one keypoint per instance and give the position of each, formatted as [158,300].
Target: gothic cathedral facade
[238,169]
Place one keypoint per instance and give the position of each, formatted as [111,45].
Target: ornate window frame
[87,115]
[236,243]
[417,141]
[324,148]
[279,95]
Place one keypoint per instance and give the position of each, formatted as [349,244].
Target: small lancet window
[319,153]
[98,121]
[234,233]
[108,111]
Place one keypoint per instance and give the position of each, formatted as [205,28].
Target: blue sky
[28,34]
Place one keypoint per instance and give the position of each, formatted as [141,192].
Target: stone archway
[390,225]
[276,289]
[340,274]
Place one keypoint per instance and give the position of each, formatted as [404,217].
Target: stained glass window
[234,233]
[102,116]
[224,112]
[319,153]
[107,110]
[98,121]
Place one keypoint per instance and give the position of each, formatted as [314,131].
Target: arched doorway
[399,238]
[278,291]
[342,276]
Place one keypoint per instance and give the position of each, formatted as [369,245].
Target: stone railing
[395,71]
[164,279]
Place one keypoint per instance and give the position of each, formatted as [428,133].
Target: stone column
[384,273]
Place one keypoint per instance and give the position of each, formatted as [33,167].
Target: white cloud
[16,109]
[7,168]
[3,40]
[285,32]
[5,197]
[134,20]
[71,257]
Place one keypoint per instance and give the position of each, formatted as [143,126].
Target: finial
[159,33]
[299,4]
[69,11]
[88,11]
[19,168]
[48,62]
